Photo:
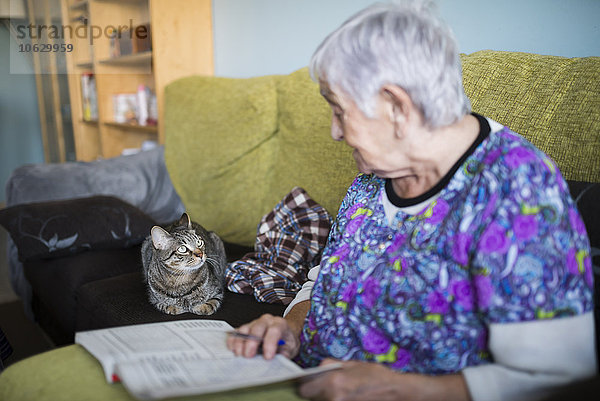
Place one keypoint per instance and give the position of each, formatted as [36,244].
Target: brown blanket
[289,242]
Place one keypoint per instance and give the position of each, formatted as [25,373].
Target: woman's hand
[370,381]
[271,329]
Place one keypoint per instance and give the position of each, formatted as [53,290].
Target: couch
[235,147]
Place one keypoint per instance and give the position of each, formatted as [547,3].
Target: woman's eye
[338,113]
[182,249]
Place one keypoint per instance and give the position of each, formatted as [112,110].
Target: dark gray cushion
[55,282]
[122,300]
[58,228]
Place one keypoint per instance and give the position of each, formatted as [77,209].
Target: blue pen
[251,337]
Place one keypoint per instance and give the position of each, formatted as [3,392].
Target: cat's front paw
[207,308]
[170,309]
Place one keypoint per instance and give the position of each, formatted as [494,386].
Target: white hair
[402,43]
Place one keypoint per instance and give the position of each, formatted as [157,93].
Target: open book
[178,358]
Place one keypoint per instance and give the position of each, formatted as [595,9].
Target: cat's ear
[160,238]
[185,221]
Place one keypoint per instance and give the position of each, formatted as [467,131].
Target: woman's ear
[399,104]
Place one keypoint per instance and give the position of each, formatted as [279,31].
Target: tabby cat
[184,267]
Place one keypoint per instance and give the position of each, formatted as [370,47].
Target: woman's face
[376,147]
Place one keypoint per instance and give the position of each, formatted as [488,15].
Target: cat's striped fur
[184,267]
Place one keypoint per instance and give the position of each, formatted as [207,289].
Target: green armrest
[72,374]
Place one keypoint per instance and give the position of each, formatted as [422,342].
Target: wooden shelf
[172,23]
[79,5]
[85,64]
[143,58]
[134,127]
[120,1]
[79,20]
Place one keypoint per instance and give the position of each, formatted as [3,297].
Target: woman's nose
[336,130]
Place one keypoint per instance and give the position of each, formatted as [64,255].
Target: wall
[568,28]
[262,37]
[20,135]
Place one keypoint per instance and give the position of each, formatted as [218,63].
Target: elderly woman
[458,266]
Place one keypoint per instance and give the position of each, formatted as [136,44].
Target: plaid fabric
[289,242]
[5,349]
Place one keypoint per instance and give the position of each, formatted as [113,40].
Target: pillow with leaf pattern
[58,228]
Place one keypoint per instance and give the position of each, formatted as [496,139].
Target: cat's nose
[198,253]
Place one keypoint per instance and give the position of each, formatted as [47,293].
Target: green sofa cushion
[307,156]
[552,101]
[235,147]
[220,150]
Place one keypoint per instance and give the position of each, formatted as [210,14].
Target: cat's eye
[200,243]
[182,249]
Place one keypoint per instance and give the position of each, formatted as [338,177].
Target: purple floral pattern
[519,155]
[503,242]
[437,302]
[463,294]
[439,211]
[375,342]
[460,248]
[525,227]
[484,289]
[494,239]
[576,221]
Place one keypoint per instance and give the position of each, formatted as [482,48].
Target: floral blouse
[503,242]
